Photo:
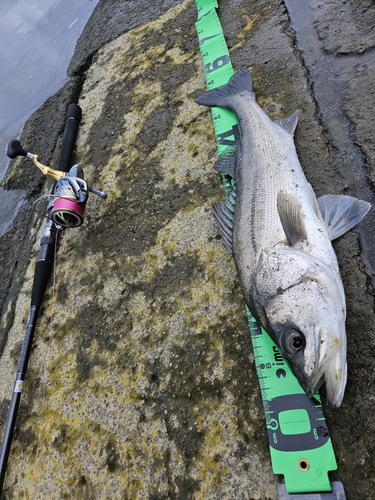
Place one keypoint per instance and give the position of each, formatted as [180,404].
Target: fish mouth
[329,367]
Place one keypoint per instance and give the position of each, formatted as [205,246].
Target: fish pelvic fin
[335,379]
[341,213]
[330,367]
[220,96]
[289,123]
[335,372]
[223,214]
[290,213]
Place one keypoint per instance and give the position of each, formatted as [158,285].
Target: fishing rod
[65,210]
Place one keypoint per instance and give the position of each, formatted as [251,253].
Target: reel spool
[66,213]
[70,192]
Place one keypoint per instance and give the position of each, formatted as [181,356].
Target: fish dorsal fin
[291,218]
[341,213]
[224,215]
[289,123]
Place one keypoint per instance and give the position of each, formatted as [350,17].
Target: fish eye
[293,341]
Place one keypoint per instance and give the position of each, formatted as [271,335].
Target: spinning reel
[70,192]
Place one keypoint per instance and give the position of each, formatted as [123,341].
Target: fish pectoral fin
[226,162]
[291,218]
[341,213]
[224,215]
[289,123]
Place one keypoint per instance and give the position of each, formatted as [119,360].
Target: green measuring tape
[300,446]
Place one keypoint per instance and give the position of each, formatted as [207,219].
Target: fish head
[301,304]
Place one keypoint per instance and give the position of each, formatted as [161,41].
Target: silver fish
[280,238]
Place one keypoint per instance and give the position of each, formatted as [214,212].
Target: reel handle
[14,149]
[102,194]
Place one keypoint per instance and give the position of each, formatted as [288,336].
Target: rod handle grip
[73,117]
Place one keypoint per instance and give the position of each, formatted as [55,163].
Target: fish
[279,235]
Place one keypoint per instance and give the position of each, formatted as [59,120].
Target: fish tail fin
[220,96]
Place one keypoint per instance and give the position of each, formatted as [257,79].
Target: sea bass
[280,237]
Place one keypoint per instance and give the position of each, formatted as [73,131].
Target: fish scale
[279,169]
[258,188]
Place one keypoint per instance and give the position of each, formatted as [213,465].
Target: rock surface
[141,382]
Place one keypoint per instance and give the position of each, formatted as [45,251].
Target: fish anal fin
[341,213]
[224,215]
[291,218]
[289,123]
[226,162]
